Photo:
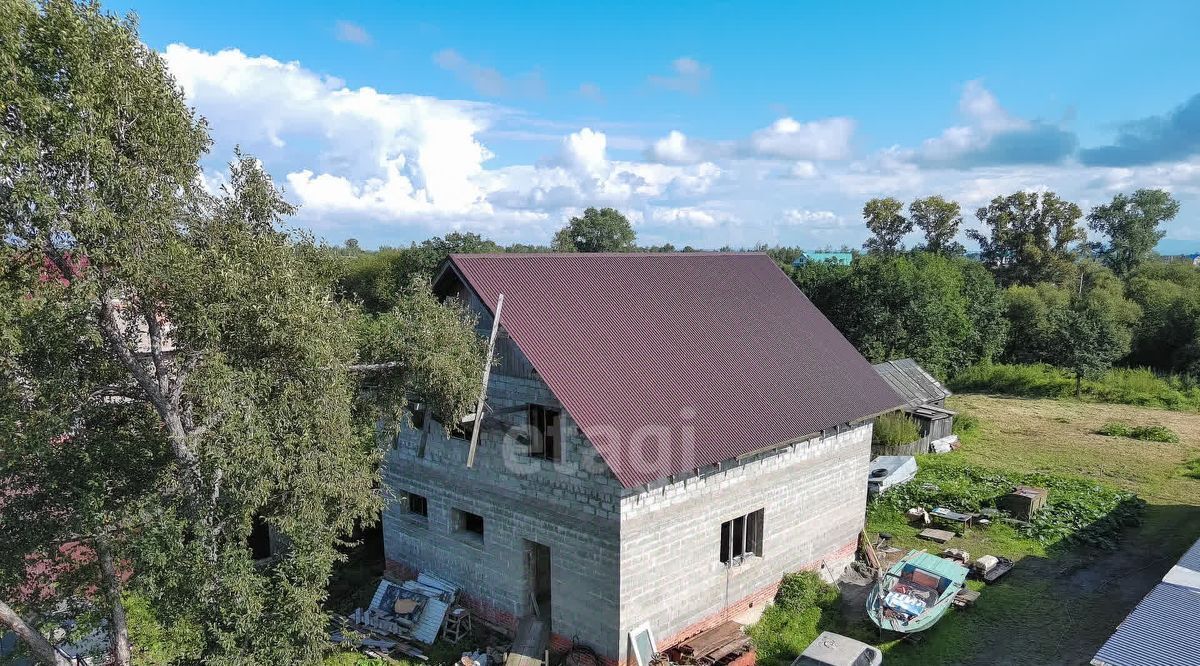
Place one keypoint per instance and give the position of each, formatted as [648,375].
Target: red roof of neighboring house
[670,362]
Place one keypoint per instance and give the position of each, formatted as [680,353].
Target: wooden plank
[426,417]
[487,372]
[529,642]
[869,550]
[733,647]
[1005,566]
[940,536]
[714,639]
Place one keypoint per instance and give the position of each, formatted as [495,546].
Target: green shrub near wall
[805,606]
[895,429]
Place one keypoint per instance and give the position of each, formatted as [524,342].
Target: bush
[965,425]
[1191,468]
[804,607]
[1077,511]
[1128,386]
[895,429]
[1154,433]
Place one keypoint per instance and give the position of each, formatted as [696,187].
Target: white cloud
[582,174]
[693,216]
[814,219]
[803,169]
[586,150]
[674,149]
[386,156]
[985,118]
[992,135]
[787,138]
[348,31]
[387,168]
[488,81]
[689,76]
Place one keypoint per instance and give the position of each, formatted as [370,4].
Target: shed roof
[672,362]
[1164,628]
[910,381]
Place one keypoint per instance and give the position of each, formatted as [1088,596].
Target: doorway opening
[537,566]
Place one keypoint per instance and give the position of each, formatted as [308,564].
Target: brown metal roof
[671,362]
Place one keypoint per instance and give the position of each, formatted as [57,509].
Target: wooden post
[426,415]
[487,372]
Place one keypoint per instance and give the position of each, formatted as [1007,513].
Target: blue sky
[707,124]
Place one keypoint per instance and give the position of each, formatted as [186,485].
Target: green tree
[1090,338]
[379,279]
[945,312]
[1029,310]
[1167,335]
[1040,312]
[885,219]
[194,339]
[597,230]
[1029,237]
[939,220]
[1131,223]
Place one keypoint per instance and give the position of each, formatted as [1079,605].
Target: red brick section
[485,611]
[746,659]
[758,597]
[560,643]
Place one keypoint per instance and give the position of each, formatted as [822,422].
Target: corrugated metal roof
[910,381]
[1164,628]
[1191,559]
[720,355]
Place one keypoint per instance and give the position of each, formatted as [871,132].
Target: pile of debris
[720,645]
[400,616]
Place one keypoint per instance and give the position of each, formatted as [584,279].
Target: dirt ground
[1059,609]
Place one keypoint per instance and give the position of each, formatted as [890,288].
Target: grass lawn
[1060,603]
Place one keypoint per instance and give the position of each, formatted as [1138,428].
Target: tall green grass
[895,429]
[1128,386]
[1150,433]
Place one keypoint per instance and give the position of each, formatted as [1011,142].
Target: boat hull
[915,574]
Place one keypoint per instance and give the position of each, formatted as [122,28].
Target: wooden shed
[925,399]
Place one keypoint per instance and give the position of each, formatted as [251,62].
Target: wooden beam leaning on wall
[487,372]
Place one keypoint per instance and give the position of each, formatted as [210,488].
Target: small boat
[915,592]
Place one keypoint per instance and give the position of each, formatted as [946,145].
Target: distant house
[840,258]
[1164,628]
[665,436]
[925,400]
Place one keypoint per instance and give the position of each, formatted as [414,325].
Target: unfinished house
[665,435]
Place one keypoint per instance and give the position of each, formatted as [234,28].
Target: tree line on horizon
[1082,305]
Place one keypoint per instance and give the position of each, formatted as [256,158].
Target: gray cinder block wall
[813,496]
[620,558]
[573,507]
